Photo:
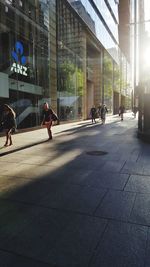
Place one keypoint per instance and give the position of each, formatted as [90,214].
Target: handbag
[1,127]
[54,117]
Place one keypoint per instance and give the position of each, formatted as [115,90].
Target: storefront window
[108,80]
[70,66]
[24,60]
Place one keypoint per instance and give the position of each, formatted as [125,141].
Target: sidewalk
[63,206]
[35,137]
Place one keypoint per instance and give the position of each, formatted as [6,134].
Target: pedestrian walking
[135,110]
[93,113]
[121,111]
[99,111]
[48,117]
[103,112]
[8,123]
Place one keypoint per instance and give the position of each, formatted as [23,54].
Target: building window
[24,61]
[70,65]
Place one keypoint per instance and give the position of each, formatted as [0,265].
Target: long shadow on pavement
[61,207]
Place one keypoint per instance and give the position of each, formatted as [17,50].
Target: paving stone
[75,176]
[133,168]
[77,243]
[12,160]
[32,192]
[122,245]
[7,166]
[72,186]
[37,160]
[8,259]
[116,205]
[141,210]
[130,153]
[147,261]
[6,206]
[31,171]
[146,169]
[90,163]
[41,173]
[14,219]
[113,166]
[39,236]
[9,185]
[137,183]
[74,197]
[106,179]
[54,232]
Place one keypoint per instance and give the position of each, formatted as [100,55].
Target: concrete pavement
[24,140]
[63,206]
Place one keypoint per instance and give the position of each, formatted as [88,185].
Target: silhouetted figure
[8,123]
[121,111]
[48,117]
[68,112]
[93,113]
[135,110]
[103,112]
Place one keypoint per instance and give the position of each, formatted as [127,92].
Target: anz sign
[20,60]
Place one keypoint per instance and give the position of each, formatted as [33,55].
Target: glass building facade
[24,58]
[63,52]
[70,64]
[102,19]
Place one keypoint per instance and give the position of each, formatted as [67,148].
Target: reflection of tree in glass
[113,77]
[71,78]
[108,76]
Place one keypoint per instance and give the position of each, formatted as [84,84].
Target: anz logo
[20,60]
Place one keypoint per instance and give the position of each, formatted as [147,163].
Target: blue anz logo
[20,59]
[18,53]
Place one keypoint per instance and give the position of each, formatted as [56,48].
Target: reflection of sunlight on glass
[146,57]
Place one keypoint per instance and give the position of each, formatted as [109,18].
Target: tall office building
[24,58]
[124,9]
[103,66]
[63,52]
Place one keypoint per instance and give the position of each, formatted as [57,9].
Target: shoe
[6,144]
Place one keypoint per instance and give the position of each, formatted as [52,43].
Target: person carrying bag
[48,117]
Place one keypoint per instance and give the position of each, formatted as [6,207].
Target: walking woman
[48,117]
[9,123]
[121,111]
[103,112]
[93,114]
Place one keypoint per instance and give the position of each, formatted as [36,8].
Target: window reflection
[24,60]
[103,9]
[86,11]
[108,80]
[70,65]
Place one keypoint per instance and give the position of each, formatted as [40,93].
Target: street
[80,200]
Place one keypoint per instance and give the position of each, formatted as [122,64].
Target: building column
[97,78]
[53,54]
[84,52]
